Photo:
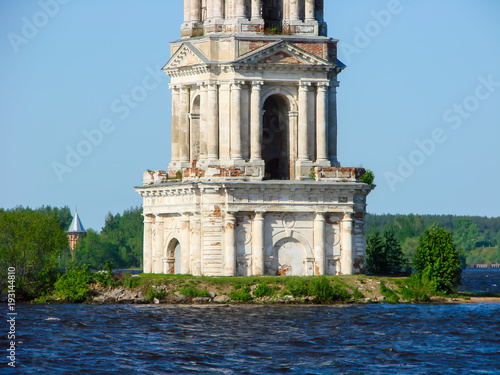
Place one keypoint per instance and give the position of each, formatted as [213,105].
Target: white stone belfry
[254,186]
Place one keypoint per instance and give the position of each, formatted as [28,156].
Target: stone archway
[288,258]
[173,257]
[275,138]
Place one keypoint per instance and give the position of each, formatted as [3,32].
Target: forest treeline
[476,238]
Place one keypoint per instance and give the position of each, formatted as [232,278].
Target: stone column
[319,244]
[184,125]
[230,245]
[159,230]
[239,9]
[210,10]
[195,11]
[346,257]
[258,244]
[302,131]
[332,123]
[218,9]
[148,245]
[322,123]
[175,123]
[187,11]
[185,244]
[255,122]
[195,248]
[213,122]
[203,121]
[236,121]
[294,9]
[256,10]
[309,10]
[225,123]
[293,121]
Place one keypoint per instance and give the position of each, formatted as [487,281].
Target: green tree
[375,254]
[384,254]
[31,242]
[409,248]
[394,252]
[437,260]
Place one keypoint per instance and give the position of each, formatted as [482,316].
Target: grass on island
[82,285]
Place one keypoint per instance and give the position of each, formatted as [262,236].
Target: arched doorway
[174,256]
[275,144]
[288,258]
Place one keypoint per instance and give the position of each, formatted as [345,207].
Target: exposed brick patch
[280,58]
[255,45]
[316,49]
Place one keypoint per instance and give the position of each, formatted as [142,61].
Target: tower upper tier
[285,17]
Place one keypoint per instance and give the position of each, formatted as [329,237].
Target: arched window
[275,142]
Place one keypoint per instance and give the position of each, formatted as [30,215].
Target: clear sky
[419,102]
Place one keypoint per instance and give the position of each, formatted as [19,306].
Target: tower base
[243,228]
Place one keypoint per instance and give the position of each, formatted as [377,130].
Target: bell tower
[254,185]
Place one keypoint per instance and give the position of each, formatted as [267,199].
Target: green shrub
[131,282]
[153,293]
[414,289]
[388,293]
[262,290]
[193,292]
[357,295]
[341,294]
[368,177]
[242,294]
[104,278]
[321,289]
[73,286]
[437,261]
[298,287]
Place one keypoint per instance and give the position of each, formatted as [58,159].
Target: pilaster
[175,123]
[185,244]
[322,125]
[230,245]
[236,121]
[196,268]
[213,124]
[159,251]
[332,123]
[258,242]
[203,121]
[319,244]
[184,126]
[225,123]
[148,245]
[346,256]
[256,123]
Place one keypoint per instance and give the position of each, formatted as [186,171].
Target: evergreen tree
[437,260]
[375,254]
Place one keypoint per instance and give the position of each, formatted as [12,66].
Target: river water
[246,339]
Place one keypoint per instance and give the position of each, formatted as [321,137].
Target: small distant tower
[75,231]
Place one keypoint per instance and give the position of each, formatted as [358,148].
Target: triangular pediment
[281,53]
[186,55]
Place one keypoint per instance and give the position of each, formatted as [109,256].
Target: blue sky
[419,102]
